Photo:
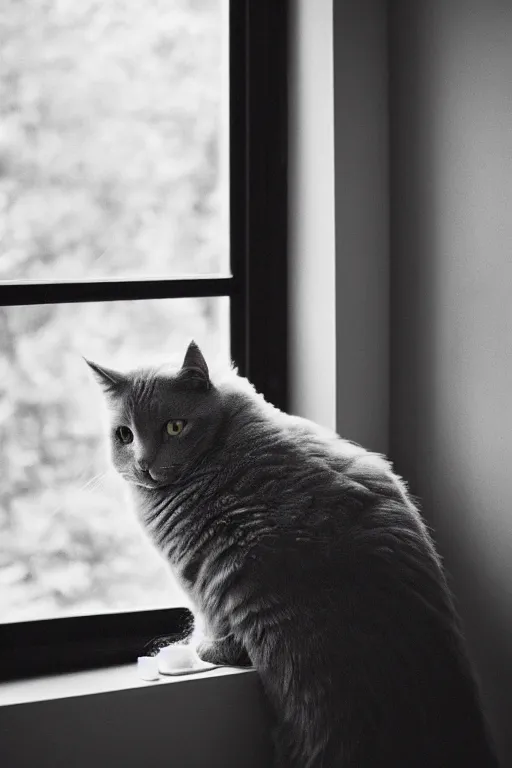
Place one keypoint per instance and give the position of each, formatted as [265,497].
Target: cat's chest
[204,537]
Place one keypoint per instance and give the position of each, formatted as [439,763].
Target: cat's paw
[226,652]
[210,653]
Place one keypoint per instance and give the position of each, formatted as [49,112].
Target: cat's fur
[306,556]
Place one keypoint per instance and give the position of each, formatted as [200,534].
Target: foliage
[111,165]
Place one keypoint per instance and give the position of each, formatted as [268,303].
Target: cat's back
[332,466]
[295,444]
[311,440]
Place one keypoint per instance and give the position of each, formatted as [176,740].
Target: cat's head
[161,421]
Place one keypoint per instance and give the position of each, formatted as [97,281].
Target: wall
[451,305]
[312,287]
[362,220]
[338,217]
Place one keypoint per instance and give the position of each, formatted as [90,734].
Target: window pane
[114,138]
[68,543]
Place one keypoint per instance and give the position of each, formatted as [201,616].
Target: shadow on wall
[451,311]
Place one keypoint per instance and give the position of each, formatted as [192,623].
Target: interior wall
[362,221]
[451,306]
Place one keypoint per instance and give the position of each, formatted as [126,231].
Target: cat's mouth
[154,483]
[149,482]
[146,481]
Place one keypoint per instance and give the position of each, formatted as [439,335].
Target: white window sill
[107,680]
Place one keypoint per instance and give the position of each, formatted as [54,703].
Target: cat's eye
[174,427]
[124,435]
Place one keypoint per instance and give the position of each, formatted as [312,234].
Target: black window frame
[257,288]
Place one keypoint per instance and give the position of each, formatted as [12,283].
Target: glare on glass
[69,541]
[114,139]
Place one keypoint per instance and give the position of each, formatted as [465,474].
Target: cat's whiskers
[90,485]
[93,482]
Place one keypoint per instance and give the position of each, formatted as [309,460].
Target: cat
[306,557]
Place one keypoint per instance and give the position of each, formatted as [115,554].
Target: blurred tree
[110,128]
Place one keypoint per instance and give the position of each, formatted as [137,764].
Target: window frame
[257,289]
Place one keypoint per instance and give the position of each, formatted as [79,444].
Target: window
[143,196]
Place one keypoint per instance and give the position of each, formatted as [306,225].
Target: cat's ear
[194,370]
[110,381]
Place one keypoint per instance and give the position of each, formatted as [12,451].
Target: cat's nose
[143,465]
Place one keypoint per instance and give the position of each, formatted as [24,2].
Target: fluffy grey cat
[307,558]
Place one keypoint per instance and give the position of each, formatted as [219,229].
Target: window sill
[95,681]
[101,718]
